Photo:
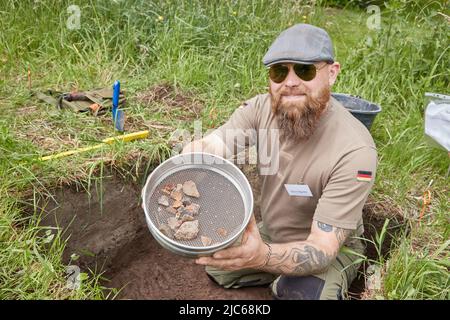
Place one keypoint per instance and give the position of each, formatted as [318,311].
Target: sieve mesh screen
[221,205]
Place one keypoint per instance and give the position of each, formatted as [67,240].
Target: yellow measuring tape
[125,138]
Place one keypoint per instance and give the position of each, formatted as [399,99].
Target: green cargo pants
[330,285]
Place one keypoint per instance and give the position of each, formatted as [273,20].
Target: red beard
[298,120]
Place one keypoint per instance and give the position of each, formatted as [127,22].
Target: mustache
[291,92]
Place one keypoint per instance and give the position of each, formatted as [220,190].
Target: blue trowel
[118,115]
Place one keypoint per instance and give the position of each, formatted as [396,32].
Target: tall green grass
[213,50]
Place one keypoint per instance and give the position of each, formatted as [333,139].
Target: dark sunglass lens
[278,73]
[306,72]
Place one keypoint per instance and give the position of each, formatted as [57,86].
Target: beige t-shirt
[337,163]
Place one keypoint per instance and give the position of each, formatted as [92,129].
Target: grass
[211,52]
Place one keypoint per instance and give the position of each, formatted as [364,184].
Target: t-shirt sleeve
[347,189]
[240,131]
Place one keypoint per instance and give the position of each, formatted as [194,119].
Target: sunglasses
[306,72]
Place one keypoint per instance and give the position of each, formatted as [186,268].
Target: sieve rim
[208,166]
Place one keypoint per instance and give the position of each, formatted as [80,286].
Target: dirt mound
[147,271]
[171,97]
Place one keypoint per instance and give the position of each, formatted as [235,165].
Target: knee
[298,288]
[221,277]
[239,278]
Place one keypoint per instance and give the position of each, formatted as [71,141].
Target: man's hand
[300,258]
[251,253]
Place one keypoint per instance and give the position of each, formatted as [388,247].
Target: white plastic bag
[437,119]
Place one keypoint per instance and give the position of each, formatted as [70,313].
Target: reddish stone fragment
[190,189]
[187,217]
[177,204]
[176,195]
[187,231]
[171,210]
[193,208]
[174,223]
[206,240]
[222,231]
[165,229]
[168,188]
[164,201]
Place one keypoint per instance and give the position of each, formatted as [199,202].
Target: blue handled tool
[118,115]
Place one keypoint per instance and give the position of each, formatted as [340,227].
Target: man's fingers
[233,252]
[232,258]
[203,260]
[222,264]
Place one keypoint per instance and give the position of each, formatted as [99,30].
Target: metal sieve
[226,201]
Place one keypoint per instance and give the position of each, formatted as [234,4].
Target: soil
[373,224]
[147,271]
[172,98]
[116,240]
[109,233]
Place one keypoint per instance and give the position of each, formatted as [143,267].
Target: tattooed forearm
[310,256]
[303,259]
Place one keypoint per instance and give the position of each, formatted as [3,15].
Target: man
[311,206]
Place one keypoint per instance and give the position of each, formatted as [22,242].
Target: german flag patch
[364,176]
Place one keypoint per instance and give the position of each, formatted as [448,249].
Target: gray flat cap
[301,43]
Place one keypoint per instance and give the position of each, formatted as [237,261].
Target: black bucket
[363,110]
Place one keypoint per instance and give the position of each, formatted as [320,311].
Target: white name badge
[298,190]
